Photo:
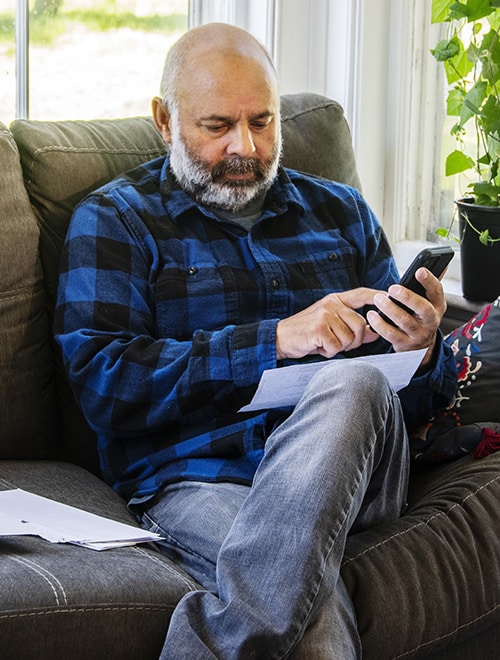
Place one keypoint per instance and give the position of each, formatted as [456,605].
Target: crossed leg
[269,556]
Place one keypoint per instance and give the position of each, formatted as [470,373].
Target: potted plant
[471,58]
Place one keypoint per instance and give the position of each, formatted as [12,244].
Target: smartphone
[435,259]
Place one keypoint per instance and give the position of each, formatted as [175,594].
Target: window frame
[370,55]
[22,59]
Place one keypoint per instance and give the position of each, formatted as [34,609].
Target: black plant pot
[480,263]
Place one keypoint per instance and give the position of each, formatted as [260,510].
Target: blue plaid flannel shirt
[166,318]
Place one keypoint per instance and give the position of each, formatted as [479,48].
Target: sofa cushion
[430,580]
[317,139]
[27,398]
[63,161]
[114,604]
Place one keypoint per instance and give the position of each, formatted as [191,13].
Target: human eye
[261,123]
[215,126]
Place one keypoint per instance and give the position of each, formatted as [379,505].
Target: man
[181,282]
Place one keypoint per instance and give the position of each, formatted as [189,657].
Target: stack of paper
[25,513]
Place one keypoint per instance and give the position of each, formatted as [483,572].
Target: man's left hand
[415,329]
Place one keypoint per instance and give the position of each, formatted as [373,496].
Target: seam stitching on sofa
[95,150]
[190,584]
[88,150]
[6,483]
[306,111]
[423,523]
[12,294]
[453,632]
[47,576]
[8,134]
[84,610]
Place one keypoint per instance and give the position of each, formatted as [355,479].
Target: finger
[358,298]
[411,332]
[338,338]
[392,321]
[346,330]
[433,289]
[370,335]
[393,310]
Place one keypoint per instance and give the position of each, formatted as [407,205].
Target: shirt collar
[280,196]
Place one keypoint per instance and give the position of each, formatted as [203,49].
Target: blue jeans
[269,556]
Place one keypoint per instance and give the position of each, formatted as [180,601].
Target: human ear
[161,117]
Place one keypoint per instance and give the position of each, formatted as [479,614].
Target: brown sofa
[427,586]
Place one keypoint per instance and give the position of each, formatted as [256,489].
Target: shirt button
[333,256]
[192,270]
[275,283]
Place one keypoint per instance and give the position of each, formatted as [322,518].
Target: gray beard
[207,187]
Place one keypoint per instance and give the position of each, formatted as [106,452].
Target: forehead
[228,86]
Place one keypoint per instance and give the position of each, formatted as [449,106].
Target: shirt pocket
[200,297]
[330,271]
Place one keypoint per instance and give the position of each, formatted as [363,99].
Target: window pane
[450,186]
[99,58]
[7,61]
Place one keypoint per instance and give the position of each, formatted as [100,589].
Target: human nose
[241,142]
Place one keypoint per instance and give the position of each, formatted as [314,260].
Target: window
[103,58]
[86,58]
[7,60]
[374,57]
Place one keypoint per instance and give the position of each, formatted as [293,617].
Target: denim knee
[361,379]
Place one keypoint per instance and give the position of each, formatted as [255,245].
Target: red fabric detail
[490,442]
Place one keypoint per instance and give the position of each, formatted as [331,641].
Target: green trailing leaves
[454,102]
[457,162]
[456,61]
[446,49]
[471,60]
[486,193]
[473,101]
[440,11]
[455,10]
[471,10]
[485,238]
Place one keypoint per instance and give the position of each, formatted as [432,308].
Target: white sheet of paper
[284,386]
[26,513]
[11,527]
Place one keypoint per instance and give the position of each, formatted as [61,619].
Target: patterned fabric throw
[462,428]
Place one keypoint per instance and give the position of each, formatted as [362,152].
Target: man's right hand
[329,326]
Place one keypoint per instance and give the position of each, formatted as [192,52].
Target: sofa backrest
[62,161]
[27,401]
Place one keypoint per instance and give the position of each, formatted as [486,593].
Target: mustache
[238,165]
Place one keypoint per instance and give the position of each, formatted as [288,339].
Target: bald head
[220,115]
[200,54]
